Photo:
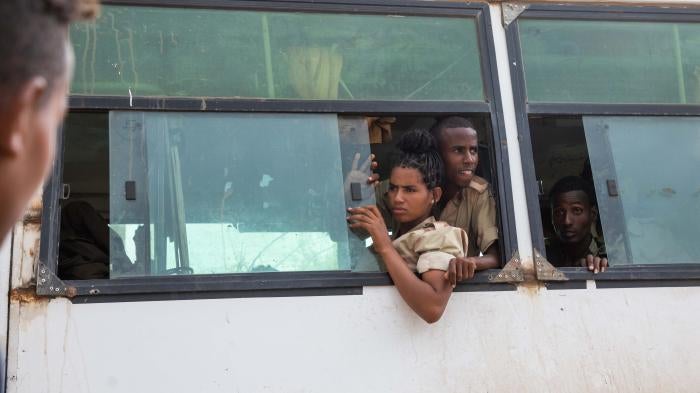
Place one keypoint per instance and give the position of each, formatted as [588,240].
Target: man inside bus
[467,201]
[574,212]
[89,246]
[35,70]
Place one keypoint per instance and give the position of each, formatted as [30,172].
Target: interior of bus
[163,196]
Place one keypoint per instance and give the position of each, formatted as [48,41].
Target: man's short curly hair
[572,183]
[33,37]
[449,122]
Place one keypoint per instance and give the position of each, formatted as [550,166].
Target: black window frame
[647,275]
[291,283]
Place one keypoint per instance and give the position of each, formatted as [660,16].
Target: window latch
[130,190]
[356,191]
[65,191]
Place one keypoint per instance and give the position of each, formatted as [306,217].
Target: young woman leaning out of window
[420,244]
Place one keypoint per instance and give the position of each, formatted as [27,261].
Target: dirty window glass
[647,186]
[611,61]
[211,193]
[147,51]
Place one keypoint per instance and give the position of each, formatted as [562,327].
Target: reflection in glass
[230,193]
[653,162]
[147,51]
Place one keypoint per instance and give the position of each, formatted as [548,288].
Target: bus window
[647,187]
[645,191]
[232,140]
[162,193]
[562,167]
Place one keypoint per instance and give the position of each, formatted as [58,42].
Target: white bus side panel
[598,340]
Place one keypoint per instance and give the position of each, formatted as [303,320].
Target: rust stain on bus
[33,213]
[26,295]
[29,295]
[33,252]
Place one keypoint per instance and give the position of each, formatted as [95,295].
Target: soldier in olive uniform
[421,248]
[574,212]
[467,201]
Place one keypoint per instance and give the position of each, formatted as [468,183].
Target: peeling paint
[29,295]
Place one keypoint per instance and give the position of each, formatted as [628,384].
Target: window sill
[631,276]
[281,284]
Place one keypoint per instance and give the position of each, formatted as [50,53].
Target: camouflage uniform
[431,245]
[557,256]
[472,209]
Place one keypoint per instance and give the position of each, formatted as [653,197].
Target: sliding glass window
[147,51]
[610,170]
[226,141]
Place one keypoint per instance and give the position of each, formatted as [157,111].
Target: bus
[221,141]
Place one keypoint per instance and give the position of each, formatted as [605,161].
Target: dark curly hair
[572,183]
[33,35]
[419,151]
[449,122]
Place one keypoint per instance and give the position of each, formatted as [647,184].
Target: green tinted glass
[146,51]
[611,62]
[653,215]
[212,193]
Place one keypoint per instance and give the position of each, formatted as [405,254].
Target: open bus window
[646,192]
[560,153]
[84,236]
[216,193]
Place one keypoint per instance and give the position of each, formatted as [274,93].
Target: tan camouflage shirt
[473,209]
[431,245]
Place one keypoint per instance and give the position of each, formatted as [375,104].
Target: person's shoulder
[444,227]
[479,184]
[440,225]
[432,225]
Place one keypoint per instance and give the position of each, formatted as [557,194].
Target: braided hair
[419,151]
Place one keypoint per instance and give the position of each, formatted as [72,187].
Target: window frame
[297,283]
[654,275]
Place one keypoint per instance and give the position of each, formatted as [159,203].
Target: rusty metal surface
[26,295]
[26,245]
[511,273]
[29,274]
[48,284]
[545,271]
[511,11]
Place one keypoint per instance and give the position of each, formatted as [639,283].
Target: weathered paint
[522,221]
[18,292]
[26,244]
[5,259]
[614,340]
[530,340]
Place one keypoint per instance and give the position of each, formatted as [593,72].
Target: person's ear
[437,194]
[19,114]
